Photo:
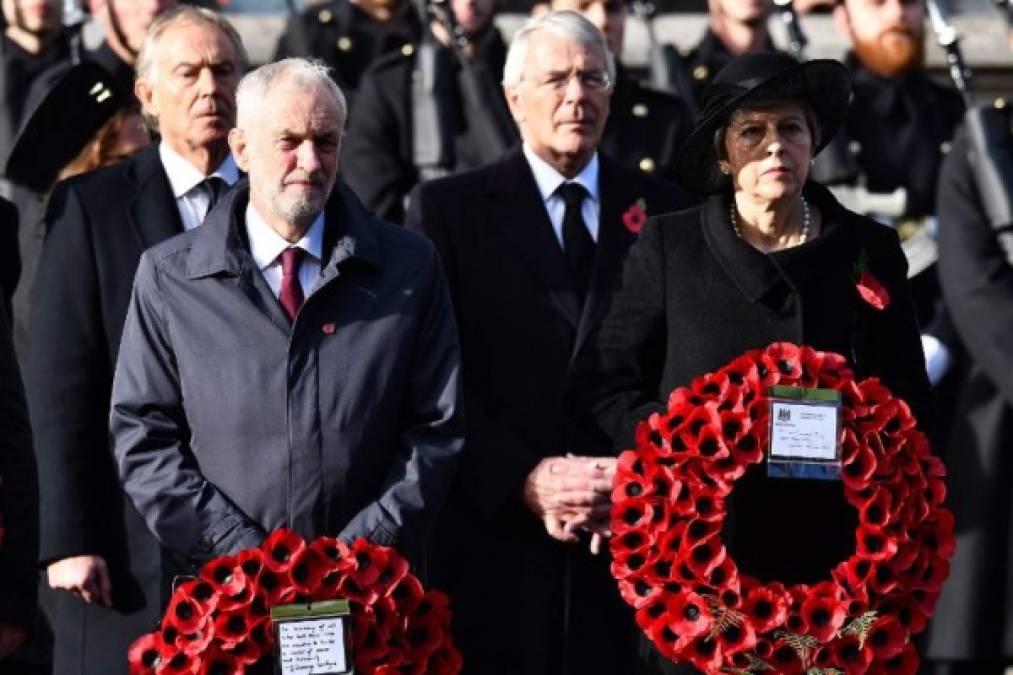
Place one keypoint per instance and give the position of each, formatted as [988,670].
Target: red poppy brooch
[635,216]
[669,509]
[868,286]
[220,621]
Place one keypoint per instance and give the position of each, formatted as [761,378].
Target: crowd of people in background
[383,287]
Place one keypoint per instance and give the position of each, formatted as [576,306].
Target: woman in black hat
[771,256]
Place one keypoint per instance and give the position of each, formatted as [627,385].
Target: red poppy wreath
[669,509]
[219,622]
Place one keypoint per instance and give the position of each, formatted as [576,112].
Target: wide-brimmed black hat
[754,77]
[61,124]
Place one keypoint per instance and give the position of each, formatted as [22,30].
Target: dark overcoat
[98,226]
[378,158]
[974,617]
[347,39]
[694,296]
[523,602]
[19,492]
[230,421]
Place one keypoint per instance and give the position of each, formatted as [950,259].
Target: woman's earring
[812,162]
[724,169]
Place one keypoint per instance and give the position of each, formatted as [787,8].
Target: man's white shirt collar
[266,244]
[184,176]
[549,180]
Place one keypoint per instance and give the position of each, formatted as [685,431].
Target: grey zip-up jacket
[229,421]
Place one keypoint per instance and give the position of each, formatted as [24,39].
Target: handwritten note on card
[312,647]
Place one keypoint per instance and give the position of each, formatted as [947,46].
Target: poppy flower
[246,652]
[742,372]
[637,592]
[307,569]
[872,291]
[857,471]
[180,664]
[628,563]
[424,634]
[883,579]
[217,661]
[332,549]
[664,634]
[631,513]
[251,561]
[148,653]
[938,536]
[767,371]
[765,609]
[709,504]
[230,628]
[785,659]
[185,612]
[275,586]
[874,543]
[261,633]
[710,442]
[877,509]
[634,218]
[787,359]
[689,615]
[904,663]
[445,661]
[824,615]
[220,573]
[406,593]
[749,448]
[651,612]
[886,638]
[737,638]
[711,387]
[195,643]
[724,577]
[279,548]
[854,658]
[705,653]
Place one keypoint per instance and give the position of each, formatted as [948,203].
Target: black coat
[344,422]
[520,322]
[899,129]
[98,226]
[693,296]
[645,128]
[706,59]
[347,39]
[19,492]
[378,157]
[974,617]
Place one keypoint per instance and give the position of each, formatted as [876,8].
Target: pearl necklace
[806,221]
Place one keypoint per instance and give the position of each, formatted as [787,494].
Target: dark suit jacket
[520,323]
[19,494]
[98,226]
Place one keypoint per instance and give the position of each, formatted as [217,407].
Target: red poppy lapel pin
[635,216]
[868,286]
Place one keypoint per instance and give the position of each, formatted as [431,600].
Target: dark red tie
[291,296]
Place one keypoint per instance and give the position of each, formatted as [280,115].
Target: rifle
[665,67]
[834,165]
[433,107]
[797,39]
[988,131]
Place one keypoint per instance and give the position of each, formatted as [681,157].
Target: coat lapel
[153,211]
[617,195]
[520,213]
